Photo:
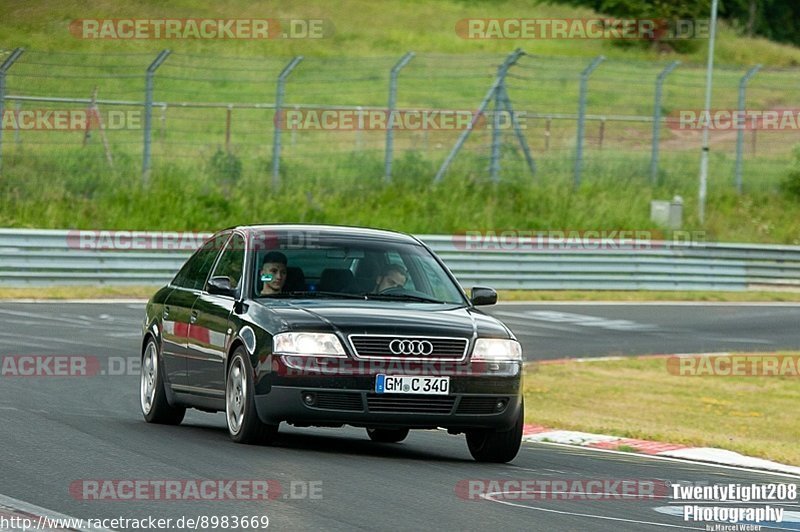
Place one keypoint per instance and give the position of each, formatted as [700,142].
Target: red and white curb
[539,433]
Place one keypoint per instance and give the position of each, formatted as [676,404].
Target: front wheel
[152,396]
[387,435]
[498,446]
[244,426]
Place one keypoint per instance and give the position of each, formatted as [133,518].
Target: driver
[392,276]
[273,273]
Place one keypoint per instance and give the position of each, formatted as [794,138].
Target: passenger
[392,276]
[273,273]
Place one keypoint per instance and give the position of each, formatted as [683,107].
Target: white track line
[37,511]
[670,459]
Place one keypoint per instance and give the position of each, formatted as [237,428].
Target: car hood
[399,318]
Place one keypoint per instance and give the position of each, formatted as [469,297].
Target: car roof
[335,231]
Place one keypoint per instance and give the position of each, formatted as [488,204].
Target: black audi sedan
[317,325]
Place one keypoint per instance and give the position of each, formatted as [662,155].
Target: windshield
[325,266]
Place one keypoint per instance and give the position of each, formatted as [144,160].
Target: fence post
[162,132]
[657,120]
[582,116]
[494,161]
[523,143]
[740,126]
[17,109]
[498,82]
[390,122]
[148,112]
[547,134]
[228,112]
[276,139]
[10,60]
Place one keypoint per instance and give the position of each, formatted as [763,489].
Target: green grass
[76,190]
[361,28]
[639,398]
[336,177]
[644,295]
[145,291]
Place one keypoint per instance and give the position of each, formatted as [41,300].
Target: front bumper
[481,396]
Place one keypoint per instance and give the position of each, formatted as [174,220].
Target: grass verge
[79,292]
[644,295]
[639,398]
[144,292]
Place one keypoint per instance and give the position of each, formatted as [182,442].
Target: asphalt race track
[549,331]
[61,433]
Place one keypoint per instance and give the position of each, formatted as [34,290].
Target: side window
[231,263]
[194,273]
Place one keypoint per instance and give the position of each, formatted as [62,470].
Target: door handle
[193,317]
[165,313]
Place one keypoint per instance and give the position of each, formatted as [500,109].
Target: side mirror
[483,295]
[221,285]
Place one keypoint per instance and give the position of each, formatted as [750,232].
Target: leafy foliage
[791,183]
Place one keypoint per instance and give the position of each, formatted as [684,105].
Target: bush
[225,168]
[791,183]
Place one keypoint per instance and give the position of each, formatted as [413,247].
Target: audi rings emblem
[411,347]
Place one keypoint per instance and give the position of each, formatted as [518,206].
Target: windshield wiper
[403,297]
[315,293]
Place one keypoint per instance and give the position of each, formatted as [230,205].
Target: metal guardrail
[56,257]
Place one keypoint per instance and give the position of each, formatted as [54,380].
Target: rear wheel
[498,446]
[152,396]
[387,435]
[244,426]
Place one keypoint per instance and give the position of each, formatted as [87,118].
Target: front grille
[414,404]
[339,401]
[373,345]
[479,405]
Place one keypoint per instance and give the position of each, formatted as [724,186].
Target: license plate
[412,384]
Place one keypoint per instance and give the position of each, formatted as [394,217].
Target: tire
[497,446]
[387,435]
[152,396]
[244,426]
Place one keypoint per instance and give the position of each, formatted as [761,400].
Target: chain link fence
[331,118]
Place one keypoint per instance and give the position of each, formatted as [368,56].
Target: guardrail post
[148,112]
[582,116]
[276,139]
[512,58]
[10,60]
[740,126]
[657,120]
[390,122]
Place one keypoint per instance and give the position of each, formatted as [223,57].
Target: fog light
[309,399]
[501,405]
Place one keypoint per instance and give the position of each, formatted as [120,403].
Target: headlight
[497,350]
[308,344]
